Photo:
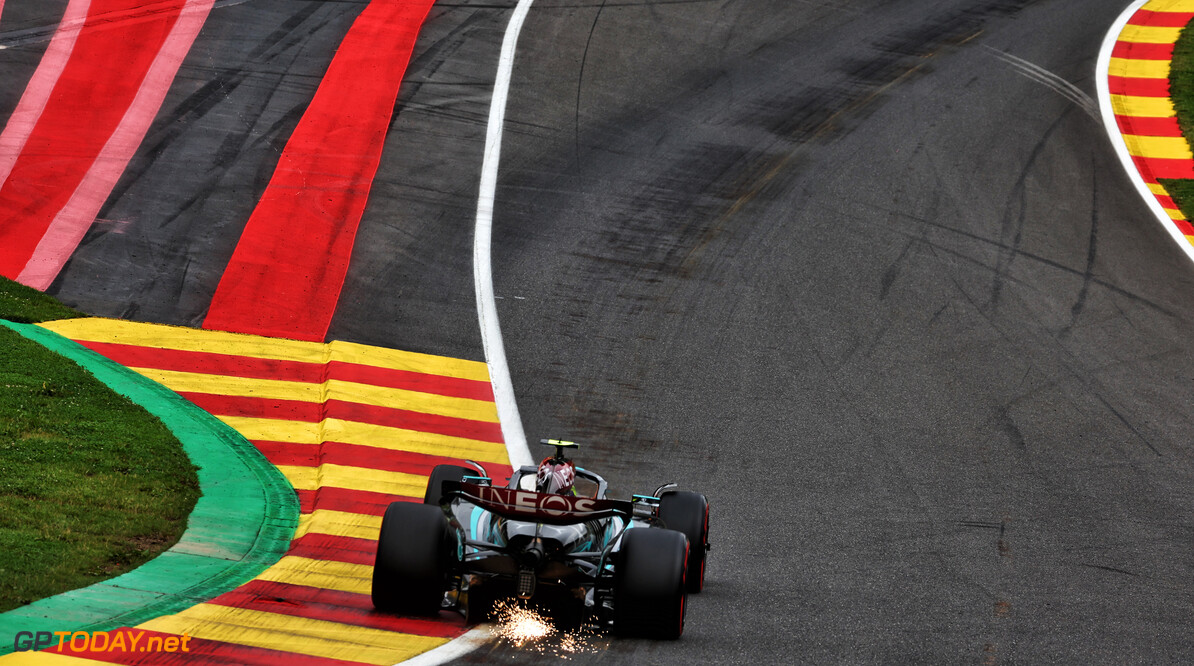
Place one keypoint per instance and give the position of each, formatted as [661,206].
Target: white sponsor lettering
[525,500]
[556,500]
[535,504]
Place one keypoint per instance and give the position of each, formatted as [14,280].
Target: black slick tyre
[688,512]
[414,552]
[439,474]
[649,592]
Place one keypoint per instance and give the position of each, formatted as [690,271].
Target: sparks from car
[525,627]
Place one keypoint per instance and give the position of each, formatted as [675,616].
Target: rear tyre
[649,593]
[440,474]
[414,553]
[689,513]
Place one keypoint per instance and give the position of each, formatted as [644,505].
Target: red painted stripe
[37,92]
[176,360]
[334,548]
[1185,227]
[399,418]
[1141,126]
[227,405]
[349,501]
[371,457]
[412,381]
[1161,19]
[310,412]
[1166,202]
[294,371]
[287,271]
[71,223]
[198,651]
[286,453]
[1121,85]
[118,43]
[1142,51]
[1154,168]
[343,607]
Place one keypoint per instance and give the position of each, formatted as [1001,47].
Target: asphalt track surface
[843,266]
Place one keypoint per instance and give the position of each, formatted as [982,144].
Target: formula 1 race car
[621,564]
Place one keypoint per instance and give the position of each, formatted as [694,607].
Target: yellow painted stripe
[218,342]
[339,523]
[1163,147]
[354,478]
[1145,107]
[188,339]
[1138,69]
[366,434]
[1148,34]
[1175,214]
[365,394]
[430,403]
[318,638]
[1169,6]
[327,574]
[246,387]
[1157,188]
[394,359]
[47,659]
[1190,239]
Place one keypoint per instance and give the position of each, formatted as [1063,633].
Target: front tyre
[689,513]
[414,553]
[649,592]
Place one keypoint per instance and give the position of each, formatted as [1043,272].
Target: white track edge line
[1102,71]
[491,333]
[453,649]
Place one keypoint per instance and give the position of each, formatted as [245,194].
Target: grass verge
[26,305]
[91,485]
[1181,91]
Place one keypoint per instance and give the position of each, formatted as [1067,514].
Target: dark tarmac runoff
[844,267]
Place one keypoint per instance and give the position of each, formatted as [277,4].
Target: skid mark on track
[1092,253]
[224,83]
[1051,81]
[704,190]
[580,80]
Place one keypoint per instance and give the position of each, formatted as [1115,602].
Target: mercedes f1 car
[627,565]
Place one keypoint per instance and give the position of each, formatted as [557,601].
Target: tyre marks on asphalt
[353,428]
[81,120]
[1138,83]
[287,271]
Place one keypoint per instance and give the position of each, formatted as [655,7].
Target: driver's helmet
[556,476]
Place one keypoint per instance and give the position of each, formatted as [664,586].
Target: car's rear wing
[536,507]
